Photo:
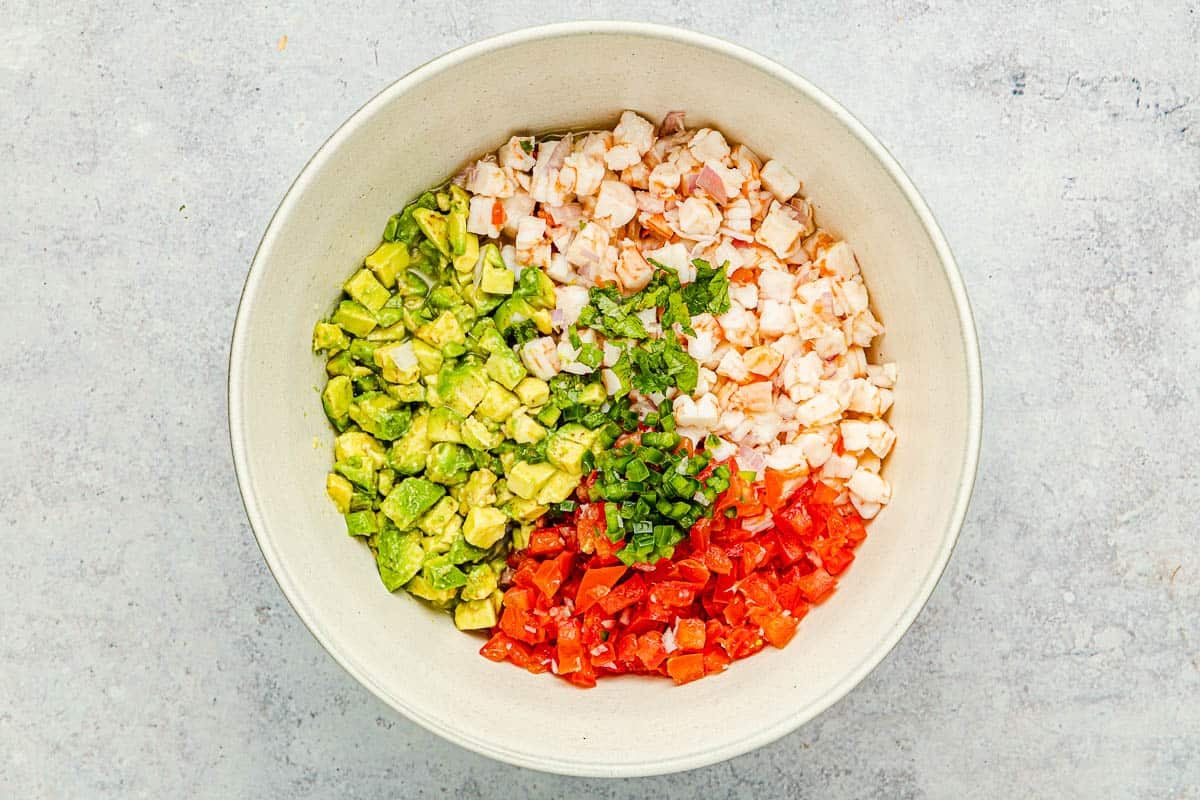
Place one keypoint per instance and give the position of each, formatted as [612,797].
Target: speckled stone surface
[145,651]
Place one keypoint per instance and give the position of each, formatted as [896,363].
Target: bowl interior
[417,133]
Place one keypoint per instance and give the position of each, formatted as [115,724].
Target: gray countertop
[145,651]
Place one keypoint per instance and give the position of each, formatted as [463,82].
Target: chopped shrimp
[633,272]
[762,360]
[540,357]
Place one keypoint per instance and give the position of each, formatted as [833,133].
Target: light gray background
[145,651]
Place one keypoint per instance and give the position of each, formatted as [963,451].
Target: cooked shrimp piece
[589,173]
[540,357]
[517,154]
[733,366]
[663,180]
[633,271]
[739,325]
[698,217]
[762,360]
[755,397]
[708,145]
[482,216]
[589,244]
[779,181]
[615,204]
[490,179]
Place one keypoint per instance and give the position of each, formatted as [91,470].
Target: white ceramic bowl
[414,134]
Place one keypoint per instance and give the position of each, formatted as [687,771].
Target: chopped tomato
[552,573]
[596,584]
[570,647]
[684,669]
[779,629]
[690,634]
[651,650]
[717,560]
[623,596]
[780,485]
[545,542]
[816,585]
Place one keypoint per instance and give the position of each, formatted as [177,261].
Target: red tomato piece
[570,647]
[624,595]
[551,574]
[717,560]
[497,648]
[835,562]
[779,629]
[693,570]
[690,633]
[545,542]
[650,649]
[780,485]
[716,660]
[595,585]
[795,520]
[816,585]
[684,669]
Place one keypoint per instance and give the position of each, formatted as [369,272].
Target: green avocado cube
[330,338]
[560,486]
[481,582]
[566,447]
[388,261]
[461,551]
[474,615]
[448,463]
[366,290]
[444,330]
[484,526]
[505,369]
[354,318]
[512,311]
[480,489]
[549,415]
[395,332]
[408,453]
[537,288]
[463,387]
[441,518]
[523,510]
[406,392]
[445,425]
[361,523]
[398,362]
[593,395]
[533,391]
[420,587]
[399,557]
[496,279]
[337,397]
[429,359]
[497,403]
[363,351]
[524,479]
[358,470]
[358,443]
[435,228]
[477,435]
[411,498]
[488,338]
[385,481]
[340,491]
[524,429]
[367,408]
[441,574]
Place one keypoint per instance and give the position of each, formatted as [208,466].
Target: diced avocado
[330,338]
[441,574]
[337,397]
[343,364]
[384,481]
[390,317]
[505,369]
[542,321]
[445,425]
[365,289]
[400,557]
[533,391]
[497,600]
[406,393]
[363,351]
[358,443]
[407,455]
[440,544]
[420,587]
[463,387]
[537,288]
[444,330]
[361,523]
[448,463]
[497,403]
[444,296]
[398,362]
[428,358]
[465,263]
[368,410]
[456,222]
[340,491]
[593,395]
[481,301]
[511,312]
[441,518]
[358,470]
[480,489]
[524,429]
[411,498]
[475,615]
[361,501]
[523,510]
[503,495]
[481,582]
[524,479]
[462,551]
[566,447]
[488,338]
[433,225]
[520,536]
[443,201]
[549,415]
[478,436]
[496,279]
[484,526]
[393,333]
[388,261]
[354,318]
[558,488]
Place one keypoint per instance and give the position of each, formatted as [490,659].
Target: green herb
[527,145]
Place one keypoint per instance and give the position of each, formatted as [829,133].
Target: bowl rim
[691,759]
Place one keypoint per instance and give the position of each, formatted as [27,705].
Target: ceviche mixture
[606,397]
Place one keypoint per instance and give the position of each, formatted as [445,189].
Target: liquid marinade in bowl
[605,397]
